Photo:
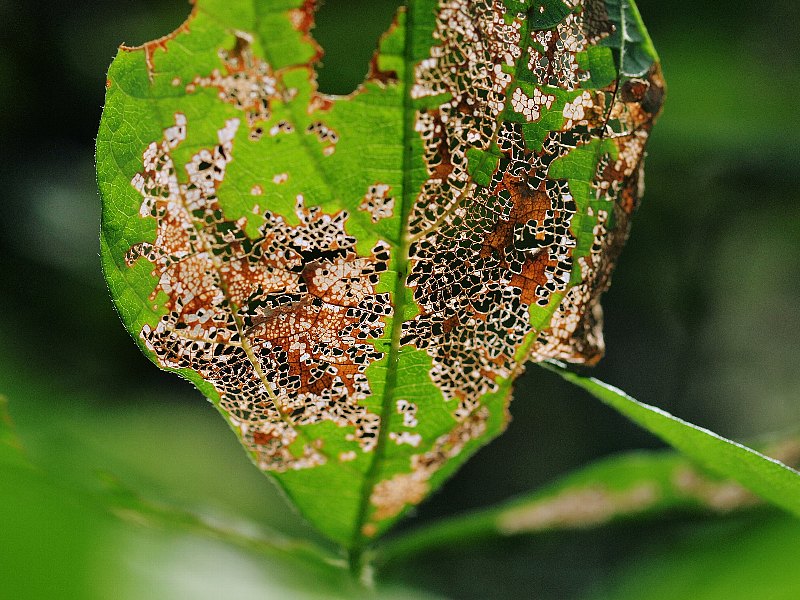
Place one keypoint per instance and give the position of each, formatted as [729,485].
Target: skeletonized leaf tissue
[355,282]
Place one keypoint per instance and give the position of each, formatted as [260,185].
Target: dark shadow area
[349,31]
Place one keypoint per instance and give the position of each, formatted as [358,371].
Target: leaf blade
[343,314]
[630,38]
[765,476]
[630,486]
[54,526]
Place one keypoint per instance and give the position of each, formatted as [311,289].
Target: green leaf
[68,540]
[46,531]
[599,63]
[634,485]
[481,165]
[767,477]
[634,49]
[356,281]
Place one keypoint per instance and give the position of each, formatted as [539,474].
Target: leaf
[45,529]
[769,478]
[633,46]
[356,281]
[628,486]
[53,533]
[548,13]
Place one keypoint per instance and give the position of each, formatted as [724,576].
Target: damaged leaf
[356,281]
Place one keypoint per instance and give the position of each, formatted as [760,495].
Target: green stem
[360,563]
[354,559]
[463,529]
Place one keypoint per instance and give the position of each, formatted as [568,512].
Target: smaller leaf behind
[53,530]
[633,485]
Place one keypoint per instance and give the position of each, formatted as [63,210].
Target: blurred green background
[702,320]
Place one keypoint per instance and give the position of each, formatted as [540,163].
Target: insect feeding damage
[248,83]
[278,325]
[531,173]
[391,496]
[484,255]
[377,202]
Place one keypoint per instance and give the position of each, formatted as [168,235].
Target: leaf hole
[348,31]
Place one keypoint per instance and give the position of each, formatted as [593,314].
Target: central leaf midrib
[400,289]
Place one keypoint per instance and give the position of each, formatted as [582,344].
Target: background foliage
[701,320]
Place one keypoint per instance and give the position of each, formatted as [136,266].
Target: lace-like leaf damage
[356,281]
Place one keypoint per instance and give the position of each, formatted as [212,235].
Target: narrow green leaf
[628,486]
[767,477]
[356,281]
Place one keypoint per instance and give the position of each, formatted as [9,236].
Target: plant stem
[361,568]
[461,529]
[354,562]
